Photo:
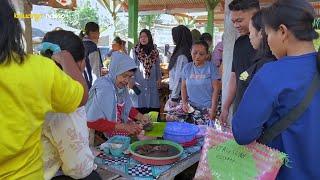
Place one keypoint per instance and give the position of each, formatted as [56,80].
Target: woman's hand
[70,67]
[185,107]
[132,128]
[145,119]
[172,103]
[212,114]
[224,116]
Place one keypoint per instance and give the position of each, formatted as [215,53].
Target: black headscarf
[150,46]
[147,54]
[183,40]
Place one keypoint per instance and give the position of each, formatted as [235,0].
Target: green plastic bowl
[155,160]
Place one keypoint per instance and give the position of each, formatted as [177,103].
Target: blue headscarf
[104,95]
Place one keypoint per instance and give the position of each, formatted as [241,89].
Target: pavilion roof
[186,7]
[64,4]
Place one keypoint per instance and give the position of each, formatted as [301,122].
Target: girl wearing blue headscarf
[109,108]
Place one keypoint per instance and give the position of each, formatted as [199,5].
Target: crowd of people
[50,100]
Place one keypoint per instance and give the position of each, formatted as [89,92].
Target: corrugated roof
[184,7]
[154,5]
[64,4]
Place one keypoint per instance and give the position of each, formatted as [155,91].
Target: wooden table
[106,174]
[109,173]
[180,166]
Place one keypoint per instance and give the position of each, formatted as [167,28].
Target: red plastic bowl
[190,143]
[154,161]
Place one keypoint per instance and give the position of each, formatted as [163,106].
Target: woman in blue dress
[200,86]
[148,74]
[280,86]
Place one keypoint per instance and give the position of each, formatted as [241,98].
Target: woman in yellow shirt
[30,86]
[65,137]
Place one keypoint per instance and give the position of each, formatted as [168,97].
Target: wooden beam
[217,21]
[55,4]
[316,6]
[149,7]
[210,9]
[211,5]
[181,15]
[28,27]
[107,4]
[267,1]
[133,23]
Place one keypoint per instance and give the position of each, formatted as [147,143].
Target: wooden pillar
[230,36]
[28,27]
[133,23]
[210,26]
[211,5]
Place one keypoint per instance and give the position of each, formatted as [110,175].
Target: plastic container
[202,131]
[116,145]
[190,143]
[158,161]
[180,132]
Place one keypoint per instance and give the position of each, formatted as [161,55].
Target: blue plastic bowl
[180,132]
[117,152]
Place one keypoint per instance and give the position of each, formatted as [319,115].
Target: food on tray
[116,145]
[142,136]
[157,150]
[148,126]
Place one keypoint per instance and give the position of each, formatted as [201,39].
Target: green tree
[121,27]
[113,7]
[316,23]
[187,21]
[317,41]
[148,21]
[79,17]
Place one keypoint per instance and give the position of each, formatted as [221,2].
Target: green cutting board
[157,130]
[153,116]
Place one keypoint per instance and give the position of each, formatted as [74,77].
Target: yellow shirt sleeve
[66,92]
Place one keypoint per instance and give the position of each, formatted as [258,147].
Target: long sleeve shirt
[216,56]
[65,138]
[175,76]
[107,126]
[275,89]
[149,96]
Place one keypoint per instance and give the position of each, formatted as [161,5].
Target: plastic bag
[223,158]
[171,106]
